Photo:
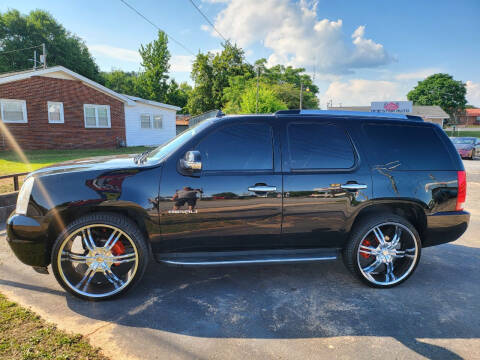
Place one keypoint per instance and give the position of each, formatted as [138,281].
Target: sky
[358,51]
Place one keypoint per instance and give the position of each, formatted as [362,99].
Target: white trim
[62,118]
[25,75]
[96,107]
[24,111]
[153,103]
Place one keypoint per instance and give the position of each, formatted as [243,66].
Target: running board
[247,257]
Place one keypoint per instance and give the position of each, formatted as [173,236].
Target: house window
[157,121]
[145,121]
[13,111]
[478,118]
[148,121]
[55,112]
[96,116]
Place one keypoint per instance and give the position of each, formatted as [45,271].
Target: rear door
[324,182]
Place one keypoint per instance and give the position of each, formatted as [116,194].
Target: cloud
[417,75]
[295,36]
[115,53]
[181,63]
[473,93]
[363,92]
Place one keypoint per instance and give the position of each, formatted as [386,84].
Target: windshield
[166,149]
[463,141]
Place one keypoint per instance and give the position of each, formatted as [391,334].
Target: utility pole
[256,102]
[34,59]
[44,56]
[301,94]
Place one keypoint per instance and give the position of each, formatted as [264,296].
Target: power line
[208,20]
[157,27]
[12,51]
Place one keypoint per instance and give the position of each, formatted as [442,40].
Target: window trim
[62,117]
[288,160]
[96,106]
[24,111]
[240,171]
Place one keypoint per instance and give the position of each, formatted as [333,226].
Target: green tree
[18,31]
[121,81]
[442,90]
[178,94]
[268,102]
[153,80]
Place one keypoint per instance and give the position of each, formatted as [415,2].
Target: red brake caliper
[118,249]
[366,242]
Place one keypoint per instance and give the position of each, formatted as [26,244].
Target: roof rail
[350,113]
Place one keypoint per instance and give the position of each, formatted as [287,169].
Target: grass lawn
[24,335]
[10,162]
[464,133]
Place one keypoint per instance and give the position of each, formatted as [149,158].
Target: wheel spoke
[410,253]
[123,258]
[66,255]
[396,237]
[372,267]
[389,276]
[88,239]
[367,250]
[379,235]
[112,240]
[86,279]
[112,278]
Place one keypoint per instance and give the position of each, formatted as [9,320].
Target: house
[470,117]
[433,114]
[56,108]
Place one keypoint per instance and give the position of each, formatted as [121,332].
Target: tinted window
[319,146]
[412,147]
[238,147]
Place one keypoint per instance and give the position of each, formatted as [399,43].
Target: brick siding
[38,133]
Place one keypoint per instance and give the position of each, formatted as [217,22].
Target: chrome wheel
[387,254]
[97,260]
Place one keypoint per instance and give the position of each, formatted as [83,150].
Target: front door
[324,183]
[235,203]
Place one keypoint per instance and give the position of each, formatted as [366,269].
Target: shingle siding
[38,133]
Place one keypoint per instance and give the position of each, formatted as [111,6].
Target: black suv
[295,186]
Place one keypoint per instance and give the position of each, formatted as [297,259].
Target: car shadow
[440,301]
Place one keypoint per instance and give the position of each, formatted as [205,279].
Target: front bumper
[444,227]
[28,240]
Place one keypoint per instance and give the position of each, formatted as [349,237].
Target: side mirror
[191,162]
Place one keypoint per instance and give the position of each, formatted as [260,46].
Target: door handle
[262,188]
[353,186]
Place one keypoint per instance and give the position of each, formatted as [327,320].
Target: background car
[467,147]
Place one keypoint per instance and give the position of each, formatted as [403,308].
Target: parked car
[467,147]
[291,187]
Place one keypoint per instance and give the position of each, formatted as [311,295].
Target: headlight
[24,196]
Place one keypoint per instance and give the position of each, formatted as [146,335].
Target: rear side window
[247,146]
[406,147]
[319,146]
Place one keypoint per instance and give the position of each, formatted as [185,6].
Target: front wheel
[99,256]
[383,250]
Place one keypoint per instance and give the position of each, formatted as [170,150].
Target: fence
[15,179]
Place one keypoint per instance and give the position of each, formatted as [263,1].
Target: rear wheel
[383,250]
[99,256]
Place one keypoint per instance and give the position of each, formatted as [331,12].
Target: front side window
[318,146]
[13,111]
[240,147]
[97,116]
[55,112]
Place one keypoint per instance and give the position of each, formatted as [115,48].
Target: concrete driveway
[282,311]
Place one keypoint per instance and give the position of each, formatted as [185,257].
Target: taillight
[462,190]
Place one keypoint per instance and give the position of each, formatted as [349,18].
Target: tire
[377,265]
[108,267]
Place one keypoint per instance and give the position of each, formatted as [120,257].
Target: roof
[182,120]
[472,112]
[424,111]
[153,103]
[127,99]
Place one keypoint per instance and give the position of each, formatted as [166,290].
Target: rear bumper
[444,227]
[28,240]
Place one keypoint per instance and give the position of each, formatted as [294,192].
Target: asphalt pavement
[301,311]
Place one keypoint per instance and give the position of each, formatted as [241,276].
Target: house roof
[427,112]
[153,103]
[182,119]
[472,112]
[127,99]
